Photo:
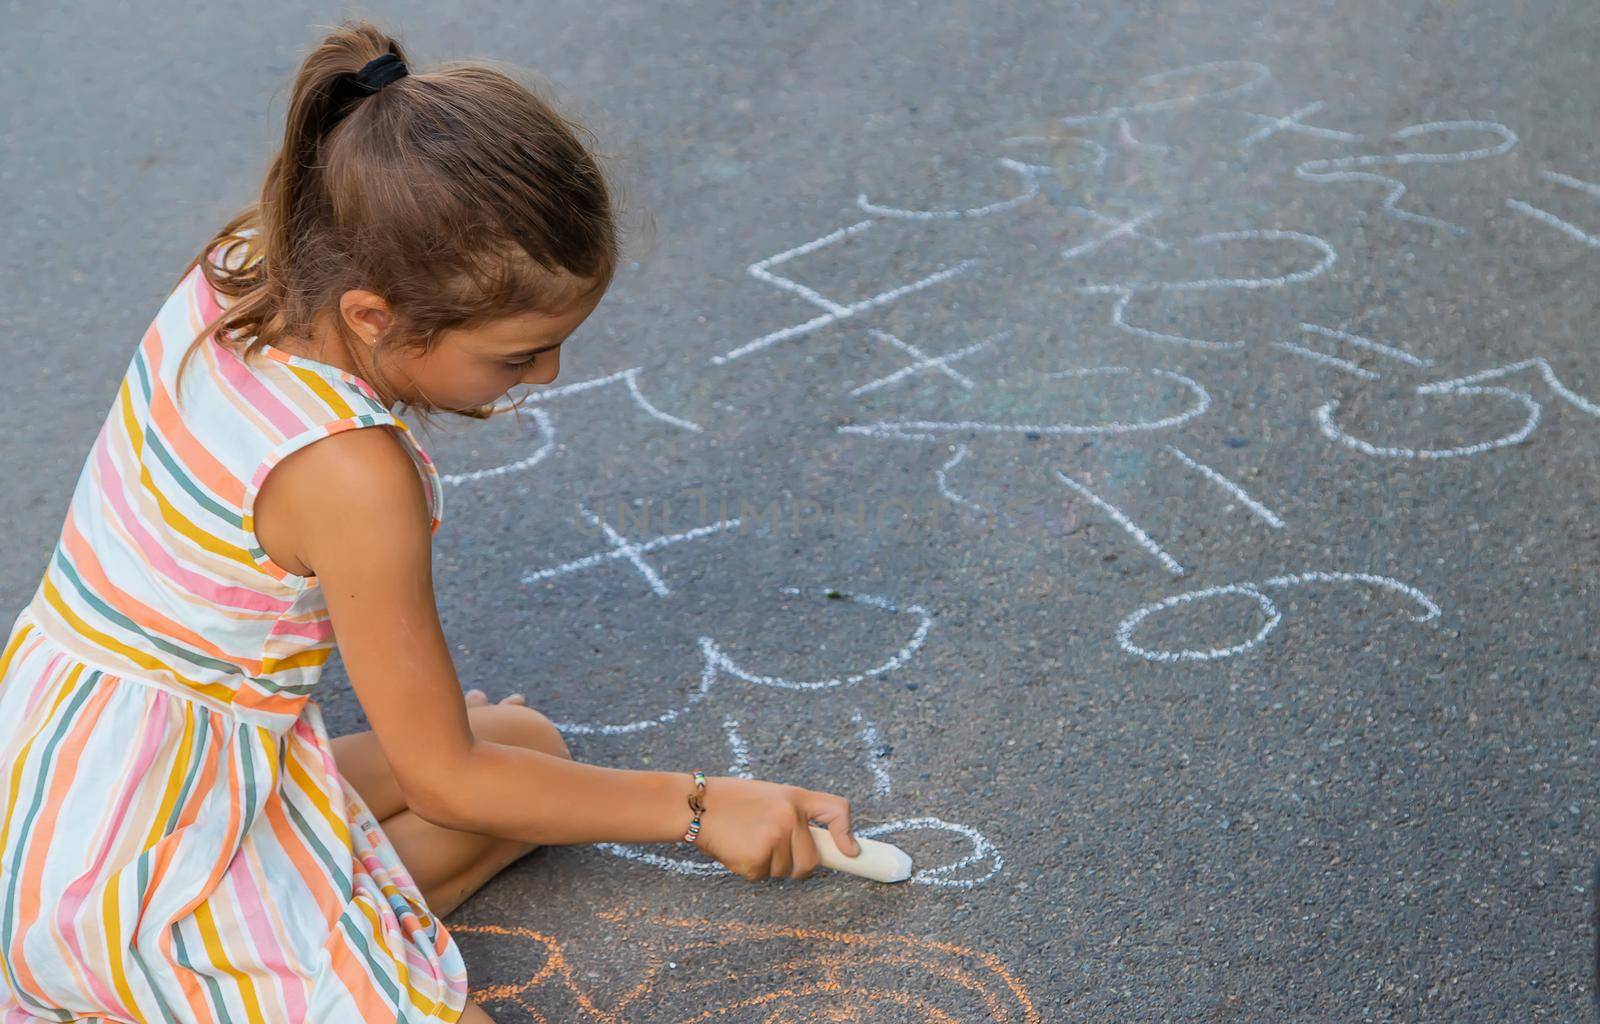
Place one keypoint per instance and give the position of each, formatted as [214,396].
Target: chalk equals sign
[1354,340]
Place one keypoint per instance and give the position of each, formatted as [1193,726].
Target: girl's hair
[457,194]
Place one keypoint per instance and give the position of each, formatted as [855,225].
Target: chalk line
[1366,343]
[1101,154]
[875,754]
[1028,172]
[1568,180]
[1261,511]
[546,427]
[1126,137]
[944,484]
[644,403]
[1144,540]
[629,376]
[1343,365]
[1430,610]
[1120,322]
[1566,227]
[741,753]
[1574,399]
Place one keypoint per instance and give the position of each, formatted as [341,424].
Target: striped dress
[176,842]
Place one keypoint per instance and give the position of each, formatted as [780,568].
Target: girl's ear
[366,312]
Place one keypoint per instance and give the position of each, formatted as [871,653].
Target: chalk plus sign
[1118,229]
[1290,122]
[621,547]
[925,361]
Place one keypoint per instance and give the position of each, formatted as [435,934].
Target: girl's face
[469,368]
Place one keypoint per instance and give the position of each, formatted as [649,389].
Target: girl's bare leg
[448,865]
[474,1015]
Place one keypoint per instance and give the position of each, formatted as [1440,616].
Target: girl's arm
[355,505]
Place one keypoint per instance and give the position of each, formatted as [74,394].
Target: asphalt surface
[1354,783]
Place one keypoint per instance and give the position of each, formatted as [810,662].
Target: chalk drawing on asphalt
[1125,291]
[717,663]
[546,428]
[630,380]
[1331,429]
[922,430]
[924,361]
[1270,614]
[833,312]
[696,970]
[1029,173]
[1343,168]
[632,552]
[1291,123]
[1544,216]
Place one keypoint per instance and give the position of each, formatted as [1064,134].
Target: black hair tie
[349,87]
[377,73]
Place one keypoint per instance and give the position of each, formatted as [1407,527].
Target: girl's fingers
[834,812]
[803,852]
[782,861]
[515,698]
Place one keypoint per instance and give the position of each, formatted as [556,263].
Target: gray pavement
[1207,510]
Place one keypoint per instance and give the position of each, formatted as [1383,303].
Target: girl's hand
[758,830]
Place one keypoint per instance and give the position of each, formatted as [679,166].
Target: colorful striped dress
[176,842]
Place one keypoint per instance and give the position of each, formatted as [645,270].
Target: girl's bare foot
[476,697]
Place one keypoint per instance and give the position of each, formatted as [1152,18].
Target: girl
[180,840]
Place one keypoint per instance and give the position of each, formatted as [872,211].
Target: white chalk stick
[881,862]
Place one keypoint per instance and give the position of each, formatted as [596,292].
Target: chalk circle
[933,430]
[1334,432]
[1128,625]
[939,875]
[720,659]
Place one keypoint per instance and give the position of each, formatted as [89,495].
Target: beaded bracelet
[697,805]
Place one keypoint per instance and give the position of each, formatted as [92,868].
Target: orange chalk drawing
[700,971]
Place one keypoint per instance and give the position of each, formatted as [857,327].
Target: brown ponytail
[457,194]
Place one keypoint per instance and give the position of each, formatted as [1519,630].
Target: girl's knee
[519,725]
